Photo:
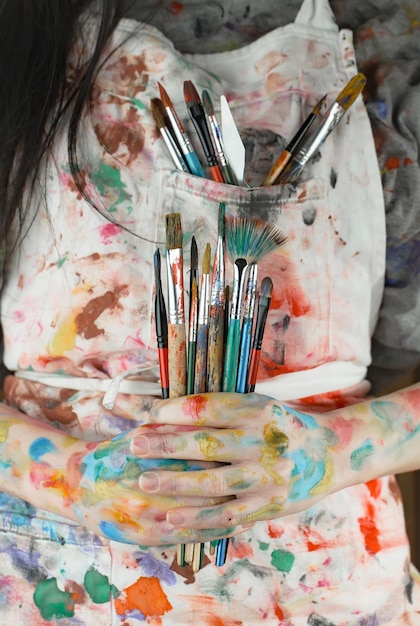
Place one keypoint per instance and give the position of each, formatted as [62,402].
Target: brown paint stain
[85,320]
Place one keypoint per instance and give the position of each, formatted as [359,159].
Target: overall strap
[317,13]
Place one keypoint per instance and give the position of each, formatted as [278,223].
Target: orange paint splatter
[392,163]
[278,612]
[146,595]
[274,532]
[369,530]
[241,550]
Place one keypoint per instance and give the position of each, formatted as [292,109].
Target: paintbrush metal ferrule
[315,140]
[192,330]
[216,133]
[204,304]
[176,313]
[218,277]
[239,275]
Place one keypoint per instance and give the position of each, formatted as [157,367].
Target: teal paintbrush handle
[231,355]
[191,367]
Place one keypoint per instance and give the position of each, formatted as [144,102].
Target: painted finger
[233,513]
[222,481]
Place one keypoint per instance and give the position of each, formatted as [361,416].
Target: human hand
[276,460]
[105,495]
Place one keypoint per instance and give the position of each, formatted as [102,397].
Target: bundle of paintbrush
[306,142]
[207,128]
[220,354]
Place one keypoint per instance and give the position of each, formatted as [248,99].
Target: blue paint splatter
[308,471]
[307,420]
[40,447]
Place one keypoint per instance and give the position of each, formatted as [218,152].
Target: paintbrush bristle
[164,96]
[156,264]
[194,254]
[191,94]
[251,238]
[158,112]
[221,221]
[207,102]
[266,289]
[319,105]
[173,231]
[206,259]
[350,92]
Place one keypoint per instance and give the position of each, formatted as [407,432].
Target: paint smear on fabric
[98,587]
[369,530]
[52,602]
[145,595]
[282,560]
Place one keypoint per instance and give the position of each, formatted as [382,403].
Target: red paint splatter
[274,532]
[374,487]
[195,406]
[278,612]
[408,161]
[369,530]
[176,8]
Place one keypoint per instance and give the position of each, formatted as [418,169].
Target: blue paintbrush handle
[245,349]
[194,164]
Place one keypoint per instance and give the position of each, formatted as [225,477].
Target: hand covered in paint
[105,496]
[276,459]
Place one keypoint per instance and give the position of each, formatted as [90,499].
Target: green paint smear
[51,601]
[264,546]
[98,587]
[359,455]
[282,560]
[109,184]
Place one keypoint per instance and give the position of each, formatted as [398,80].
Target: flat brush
[198,118]
[187,149]
[161,327]
[162,122]
[216,133]
[286,155]
[313,140]
[217,310]
[264,300]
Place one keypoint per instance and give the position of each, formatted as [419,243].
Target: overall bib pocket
[298,328]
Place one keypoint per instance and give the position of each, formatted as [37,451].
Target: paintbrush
[187,149]
[216,133]
[248,240]
[161,327]
[162,122]
[217,310]
[198,118]
[313,140]
[176,311]
[200,381]
[192,336]
[286,155]
[264,300]
[193,267]
[246,332]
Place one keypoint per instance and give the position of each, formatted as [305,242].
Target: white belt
[291,386]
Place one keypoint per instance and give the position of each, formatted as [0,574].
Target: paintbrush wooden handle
[215,349]
[177,360]
[200,380]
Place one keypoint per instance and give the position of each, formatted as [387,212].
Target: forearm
[33,460]
[376,438]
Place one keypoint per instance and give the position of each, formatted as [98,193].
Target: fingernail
[149,481]
[140,445]
[175,518]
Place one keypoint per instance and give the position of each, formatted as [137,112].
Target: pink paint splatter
[108,232]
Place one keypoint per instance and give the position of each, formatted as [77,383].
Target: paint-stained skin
[92,282]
